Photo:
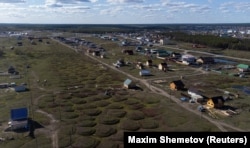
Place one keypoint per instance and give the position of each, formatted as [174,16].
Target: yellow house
[177,85]
[216,102]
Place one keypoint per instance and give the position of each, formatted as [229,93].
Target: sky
[124,11]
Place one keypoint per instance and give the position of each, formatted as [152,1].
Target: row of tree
[211,40]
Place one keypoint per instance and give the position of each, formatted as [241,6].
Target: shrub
[105,131]
[85,142]
[116,113]
[85,131]
[148,124]
[130,125]
[136,115]
[108,120]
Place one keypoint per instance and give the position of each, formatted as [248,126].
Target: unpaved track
[52,129]
[219,124]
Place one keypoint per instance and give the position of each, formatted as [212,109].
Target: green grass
[74,95]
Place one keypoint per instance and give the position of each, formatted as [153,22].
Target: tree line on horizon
[211,40]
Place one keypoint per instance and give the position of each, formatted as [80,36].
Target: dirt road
[157,90]
[224,127]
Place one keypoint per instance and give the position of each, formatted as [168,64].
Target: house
[144,73]
[119,63]
[175,55]
[20,88]
[195,94]
[149,63]
[11,70]
[4,85]
[96,53]
[139,65]
[128,83]
[243,67]
[177,85]
[128,52]
[216,102]
[188,59]
[18,118]
[163,66]
[205,60]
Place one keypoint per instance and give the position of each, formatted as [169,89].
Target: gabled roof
[217,98]
[178,83]
[19,113]
[243,66]
[127,82]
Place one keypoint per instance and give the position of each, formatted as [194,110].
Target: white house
[188,59]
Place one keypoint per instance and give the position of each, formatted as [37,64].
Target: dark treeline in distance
[211,40]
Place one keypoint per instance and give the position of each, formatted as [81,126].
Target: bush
[116,113]
[108,120]
[87,123]
[105,131]
[85,142]
[92,112]
[130,125]
[148,124]
[136,115]
[85,131]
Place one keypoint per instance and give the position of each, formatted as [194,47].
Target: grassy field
[71,105]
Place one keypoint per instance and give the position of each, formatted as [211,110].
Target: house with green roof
[243,67]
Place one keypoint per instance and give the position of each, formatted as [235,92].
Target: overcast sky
[124,11]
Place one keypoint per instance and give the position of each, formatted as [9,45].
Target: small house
[216,102]
[175,55]
[139,65]
[149,62]
[20,88]
[18,118]
[177,85]
[205,60]
[11,70]
[128,52]
[163,66]
[4,85]
[188,59]
[243,67]
[128,83]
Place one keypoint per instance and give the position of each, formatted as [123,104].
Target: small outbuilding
[128,83]
[20,88]
[144,72]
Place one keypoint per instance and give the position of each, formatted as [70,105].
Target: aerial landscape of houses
[98,85]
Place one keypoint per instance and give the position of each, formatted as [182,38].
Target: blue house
[18,118]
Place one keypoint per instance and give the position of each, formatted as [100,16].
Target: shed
[144,72]
[20,88]
[177,85]
[128,83]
